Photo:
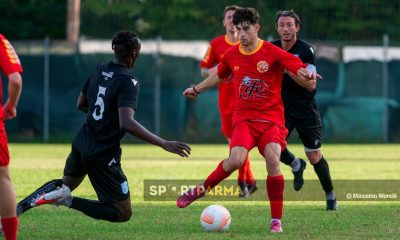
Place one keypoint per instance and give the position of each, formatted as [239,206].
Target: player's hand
[182,149]
[307,74]
[190,93]
[10,111]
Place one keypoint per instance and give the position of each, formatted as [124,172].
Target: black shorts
[105,174]
[305,118]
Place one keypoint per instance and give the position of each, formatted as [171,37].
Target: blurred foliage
[33,19]
[357,21]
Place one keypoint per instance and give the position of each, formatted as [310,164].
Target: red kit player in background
[258,118]
[11,67]
[226,101]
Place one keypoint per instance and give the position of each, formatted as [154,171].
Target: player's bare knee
[124,210]
[314,157]
[234,162]
[273,166]
[125,215]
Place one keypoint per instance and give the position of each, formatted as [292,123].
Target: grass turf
[34,164]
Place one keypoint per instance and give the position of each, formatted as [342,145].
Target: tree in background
[340,21]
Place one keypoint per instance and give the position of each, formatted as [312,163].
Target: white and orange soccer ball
[215,218]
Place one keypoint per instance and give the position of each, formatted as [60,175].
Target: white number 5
[99,104]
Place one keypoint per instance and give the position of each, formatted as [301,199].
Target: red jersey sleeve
[9,61]
[209,60]
[289,61]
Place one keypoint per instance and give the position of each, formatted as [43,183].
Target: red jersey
[9,63]
[213,56]
[257,79]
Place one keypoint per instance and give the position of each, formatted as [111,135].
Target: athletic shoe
[331,205]
[53,197]
[20,209]
[298,180]
[276,227]
[252,188]
[190,196]
[245,190]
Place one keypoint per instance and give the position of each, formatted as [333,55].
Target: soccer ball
[215,218]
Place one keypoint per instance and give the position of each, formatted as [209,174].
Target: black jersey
[111,86]
[293,93]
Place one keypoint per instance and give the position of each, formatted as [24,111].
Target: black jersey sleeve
[309,58]
[128,93]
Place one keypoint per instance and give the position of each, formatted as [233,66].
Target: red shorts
[226,125]
[248,134]
[4,155]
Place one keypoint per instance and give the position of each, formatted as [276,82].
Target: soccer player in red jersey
[226,101]
[11,67]
[257,67]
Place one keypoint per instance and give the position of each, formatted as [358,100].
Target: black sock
[95,209]
[25,204]
[322,170]
[287,157]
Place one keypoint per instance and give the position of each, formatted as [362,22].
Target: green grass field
[32,165]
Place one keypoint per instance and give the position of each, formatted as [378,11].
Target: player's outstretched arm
[128,123]
[211,81]
[308,75]
[14,92]
[306,78]
[205,72]
[310,85]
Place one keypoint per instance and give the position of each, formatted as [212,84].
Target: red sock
[275,187]
[10,227]
[249,174]
[216,177]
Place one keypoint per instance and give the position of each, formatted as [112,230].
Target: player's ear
[257,26]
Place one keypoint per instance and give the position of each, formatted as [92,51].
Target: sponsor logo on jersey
[252,88]
[262,66]
[107,75]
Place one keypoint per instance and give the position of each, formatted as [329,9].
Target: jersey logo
[235,68]
[134,81]
[111,162]
[107,75]
[252,88]
[262,66]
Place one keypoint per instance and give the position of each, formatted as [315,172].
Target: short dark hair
[287,13]
[124,43]
[246,15]
[230,8]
